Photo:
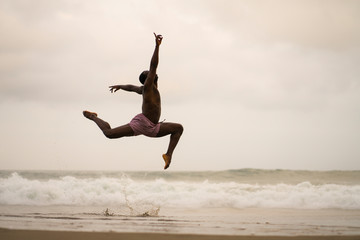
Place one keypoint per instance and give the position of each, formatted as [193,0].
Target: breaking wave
[69,190]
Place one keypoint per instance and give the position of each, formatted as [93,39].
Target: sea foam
[69,190]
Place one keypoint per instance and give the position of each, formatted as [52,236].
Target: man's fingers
[158,36]
[112,89]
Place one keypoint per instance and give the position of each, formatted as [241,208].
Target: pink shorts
[142,125]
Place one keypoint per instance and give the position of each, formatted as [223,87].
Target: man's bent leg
[122,131]
[176,131]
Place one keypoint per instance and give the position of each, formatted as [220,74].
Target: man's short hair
[143,77]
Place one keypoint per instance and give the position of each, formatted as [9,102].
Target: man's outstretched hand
[158,39]
[114,88]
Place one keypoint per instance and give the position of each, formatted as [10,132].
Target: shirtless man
[147,122]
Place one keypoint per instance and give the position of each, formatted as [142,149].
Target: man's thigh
[122,131]
[168,128]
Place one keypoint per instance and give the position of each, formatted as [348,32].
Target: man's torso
[151,106]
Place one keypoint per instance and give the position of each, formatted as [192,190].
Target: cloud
[49,48]
[318,24]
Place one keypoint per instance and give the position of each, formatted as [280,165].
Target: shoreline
[10,234]
[184,222]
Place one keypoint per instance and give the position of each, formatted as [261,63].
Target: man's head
[143,77]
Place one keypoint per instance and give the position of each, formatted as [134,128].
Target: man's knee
[108,133]
[179,129]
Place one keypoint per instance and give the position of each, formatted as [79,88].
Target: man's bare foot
[89,115]
[167,160]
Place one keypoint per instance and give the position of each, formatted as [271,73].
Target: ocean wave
[69,190]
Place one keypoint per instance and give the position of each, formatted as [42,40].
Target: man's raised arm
[154,61]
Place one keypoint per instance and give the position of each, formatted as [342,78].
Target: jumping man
[147,122]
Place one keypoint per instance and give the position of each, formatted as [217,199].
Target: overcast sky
[256,84]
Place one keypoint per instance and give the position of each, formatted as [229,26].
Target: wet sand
[8,234]
[184,222]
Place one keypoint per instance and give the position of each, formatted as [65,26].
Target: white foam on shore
[70,190]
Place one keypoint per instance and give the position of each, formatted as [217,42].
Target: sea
[232,202]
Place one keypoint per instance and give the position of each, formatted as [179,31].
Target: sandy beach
[7,234]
